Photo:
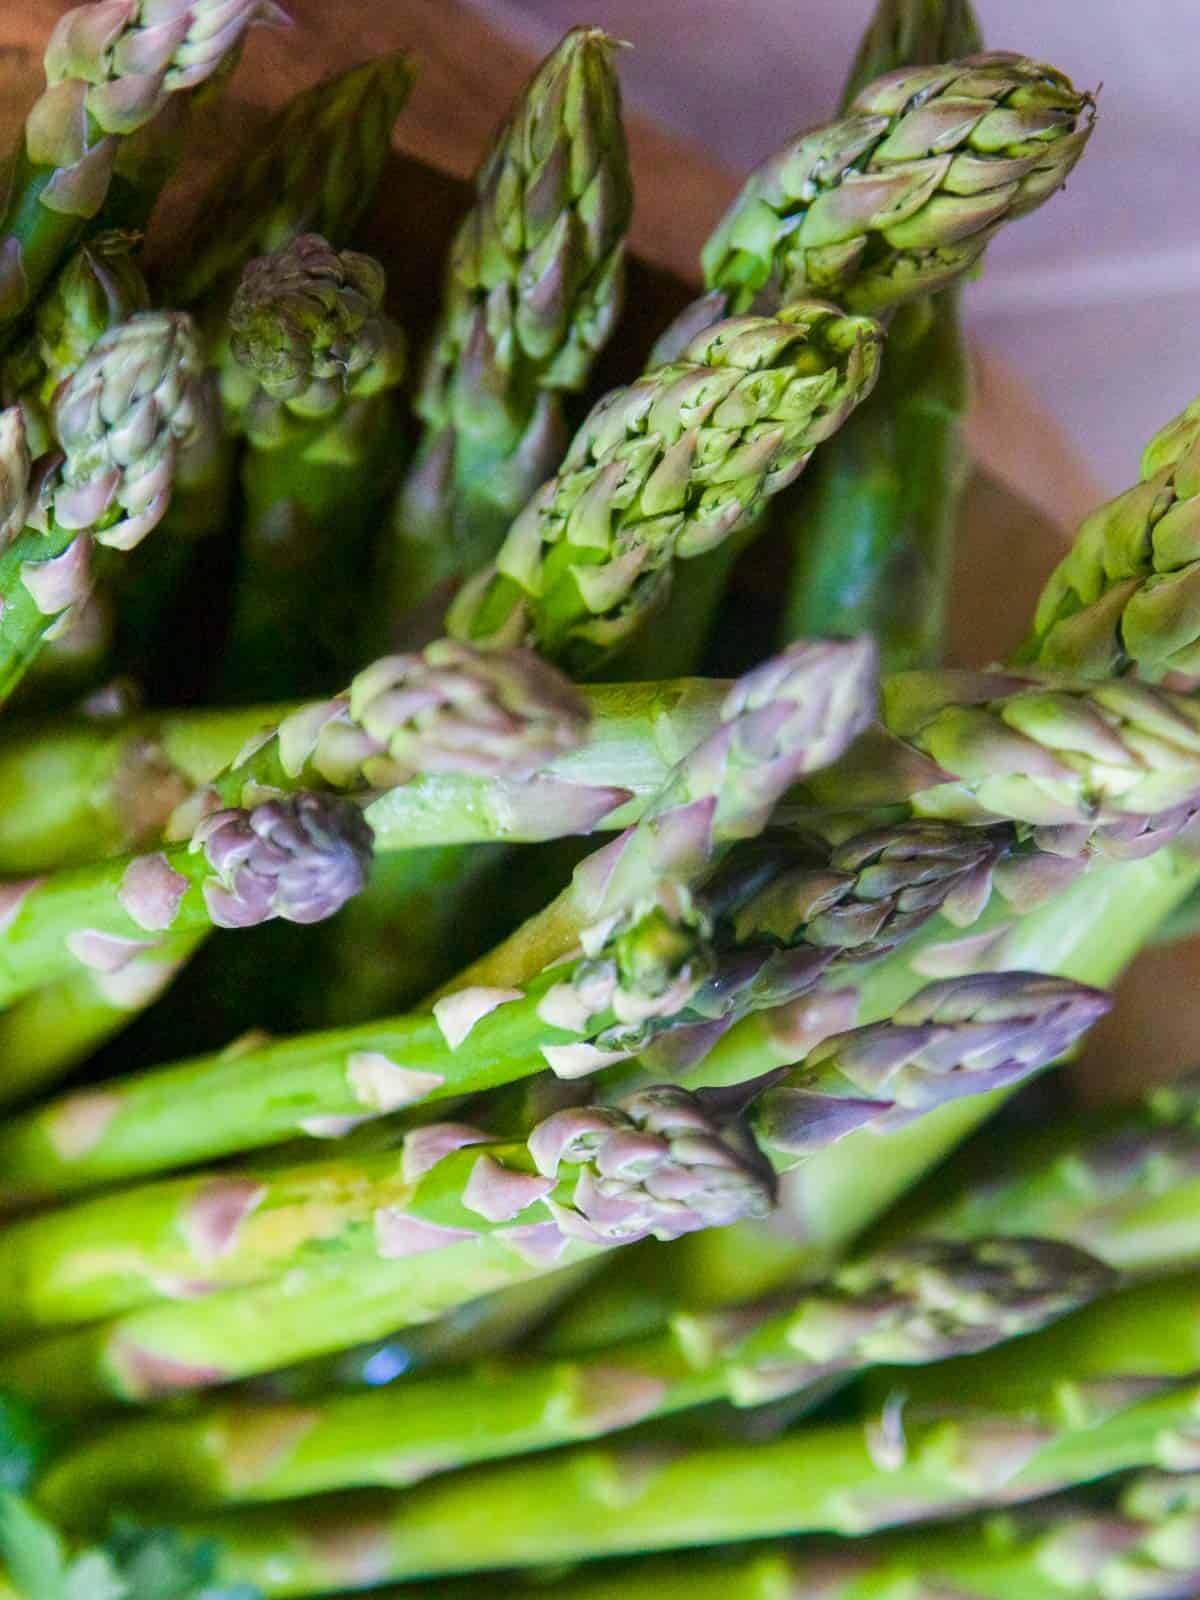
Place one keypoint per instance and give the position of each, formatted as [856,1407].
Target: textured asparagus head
[860,898]
[315,170]
[657,1163]
[307,328]
[796,712]
[1046,749]
[133,404]
[1126,597]
[902,195]
[959,1036]
[534,280]
[300,858]
[666,470]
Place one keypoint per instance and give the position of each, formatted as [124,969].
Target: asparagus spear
[919,1303]
[316,168]
[664,470]
[590,1501]
[299,858]
[901,196]
[109,70]
[322,1302]
[911,33]
[532,290]
[124,419]
[1121,600]
[1147,1547]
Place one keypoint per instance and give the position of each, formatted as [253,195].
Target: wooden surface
[1029,487]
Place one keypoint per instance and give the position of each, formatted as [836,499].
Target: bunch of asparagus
[510,1217]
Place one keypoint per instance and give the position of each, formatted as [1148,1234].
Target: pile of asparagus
[512,1218]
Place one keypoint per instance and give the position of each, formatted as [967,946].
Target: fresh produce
[509,1220]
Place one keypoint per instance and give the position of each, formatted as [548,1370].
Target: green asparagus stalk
[1122,600]
[321,1302]
[901,197]
[532,290]
[124,419]
[574,1018]
[665,470]
[590,1501]
[315,169]
[1148,1547]
[920,1303]
[911,33]
[1122,1184]
[109,70]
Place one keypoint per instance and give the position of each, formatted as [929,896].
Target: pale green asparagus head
[1038,748]
[901,196]
[535,275]
[666,470]
[100,286]
[307,329]
[135,402]
[1126,597]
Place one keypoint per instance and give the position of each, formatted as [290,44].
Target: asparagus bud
[961,1036]
[14,475]
[1127,596]
[533,285]
[300,858]
[307,327]
[448,709]
[654,1164]
[866,895]
[122,419]
[1042,749]
[902,195]
[664,470]
[792,715]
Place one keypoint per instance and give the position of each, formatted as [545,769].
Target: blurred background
[1096,299]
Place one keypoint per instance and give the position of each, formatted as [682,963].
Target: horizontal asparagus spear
[300,858]
[916,1304]
[976,1032]
[1148,1546]
[589,1501]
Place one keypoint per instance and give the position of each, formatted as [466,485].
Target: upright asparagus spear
[313,369]
[323,1302]
[665,470]
[901,196]
[1123,598]
[919,1303]
[532,291]
[109,70]
[315,169]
